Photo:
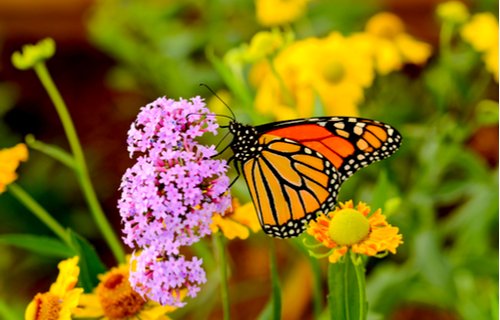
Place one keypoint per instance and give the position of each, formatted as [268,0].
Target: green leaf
[43,245]
[380,191]
[7,312]
[487,112]
[237,85]
[90,263]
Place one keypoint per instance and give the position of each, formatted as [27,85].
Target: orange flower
[62,299]
[353,228]
[115,299]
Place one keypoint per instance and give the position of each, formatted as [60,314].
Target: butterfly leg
[218,144]
[237,171]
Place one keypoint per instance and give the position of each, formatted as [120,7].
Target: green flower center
[348,227]
[334,71]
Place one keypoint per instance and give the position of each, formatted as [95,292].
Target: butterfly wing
[300,165]
[290,184]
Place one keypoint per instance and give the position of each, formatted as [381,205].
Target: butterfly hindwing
[289,184]
[294,168]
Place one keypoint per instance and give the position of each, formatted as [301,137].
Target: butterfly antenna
[208,115]
[215,94]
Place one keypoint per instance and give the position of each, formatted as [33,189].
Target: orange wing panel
[378,131]
[302,132]
[340,145]
[334,158]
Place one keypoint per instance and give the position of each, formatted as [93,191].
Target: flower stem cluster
[169,196]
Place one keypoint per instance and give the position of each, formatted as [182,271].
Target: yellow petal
[69,304]
[67,278]
[413,51]
[481,32]
[31,309]
[279,12]
[88,307]
[247,216]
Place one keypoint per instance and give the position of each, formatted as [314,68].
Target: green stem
[52,151]
[39,212]
[80,165]
[287,95]
[275,283]
[347,289]
[445,37]
[221,249]
[359,269]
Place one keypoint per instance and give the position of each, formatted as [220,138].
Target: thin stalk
[347,289]
[284,89]
[275,283]
[359,270]
[80,165]
[35,208]
[221,249]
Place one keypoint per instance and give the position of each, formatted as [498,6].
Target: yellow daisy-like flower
[62,299]
[339,75]
[389,45]
[353,228]
[279,12]
[482,33]
[10,159]
[237,221]
[114,299]
[324,70]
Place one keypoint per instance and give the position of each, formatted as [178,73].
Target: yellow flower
[314,72]
[62,298]
[237,221]
[453,11]
[115,299]
[279,12]
[482,33]
[9,161]
[353,228]
[340,74]
[389,45]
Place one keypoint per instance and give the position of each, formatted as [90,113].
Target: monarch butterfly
[295,168]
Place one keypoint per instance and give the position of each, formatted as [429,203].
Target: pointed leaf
[90,263]
[43,245]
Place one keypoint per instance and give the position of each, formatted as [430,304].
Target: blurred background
[115,56]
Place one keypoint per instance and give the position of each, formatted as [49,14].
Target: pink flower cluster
[169,196]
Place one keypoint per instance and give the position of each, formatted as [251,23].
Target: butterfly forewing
[349,143]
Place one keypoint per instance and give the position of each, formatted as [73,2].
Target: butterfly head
[245,142]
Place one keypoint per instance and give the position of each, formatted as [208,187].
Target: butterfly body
[295,168]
